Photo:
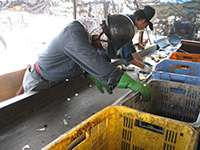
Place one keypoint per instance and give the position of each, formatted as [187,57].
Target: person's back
[73,52]
[55,63]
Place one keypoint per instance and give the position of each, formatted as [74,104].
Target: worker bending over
[74,51]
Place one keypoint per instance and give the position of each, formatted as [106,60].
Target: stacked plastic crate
[177,88]
[178,70]
[182,66]
[175,91]
[178,81]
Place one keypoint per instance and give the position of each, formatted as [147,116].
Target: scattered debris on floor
[26,147]
[65,122]
[41,129]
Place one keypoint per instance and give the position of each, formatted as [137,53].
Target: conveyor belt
[24,130]
[84,101]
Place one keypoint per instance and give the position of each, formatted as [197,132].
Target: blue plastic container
[178,71]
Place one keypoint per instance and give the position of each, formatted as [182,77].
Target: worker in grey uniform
[74,50]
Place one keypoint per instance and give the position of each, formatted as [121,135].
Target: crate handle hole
[183,67]
[76,142]
[186,57]
[177,80]
[177,90]
[181,134]
[149,126]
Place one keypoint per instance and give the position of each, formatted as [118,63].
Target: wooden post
[74,3]
[141,37]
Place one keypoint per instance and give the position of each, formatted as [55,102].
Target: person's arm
[137,63]
[126,52]
[100,86]
[137,56]
[127,82]
[129,55]
[86,56]
[144,67]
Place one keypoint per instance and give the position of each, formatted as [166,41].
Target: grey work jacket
[70,53]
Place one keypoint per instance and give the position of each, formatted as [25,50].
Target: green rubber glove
[127,82]
[100,85]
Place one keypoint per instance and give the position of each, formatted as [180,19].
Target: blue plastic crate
[178,71]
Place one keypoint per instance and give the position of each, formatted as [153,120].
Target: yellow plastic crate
[123,128]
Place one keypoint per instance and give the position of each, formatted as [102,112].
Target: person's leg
[33,81]
[28,81]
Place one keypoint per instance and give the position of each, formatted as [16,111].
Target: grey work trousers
[33,81]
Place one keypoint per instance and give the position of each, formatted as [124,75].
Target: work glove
[127,82]
[100,85]
[146,69]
